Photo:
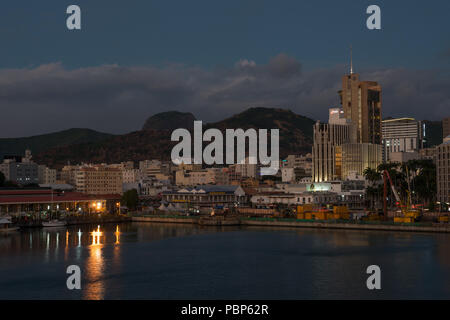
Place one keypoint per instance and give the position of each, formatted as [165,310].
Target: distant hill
[295,137]
[41,143]
[169,120]
[296,131]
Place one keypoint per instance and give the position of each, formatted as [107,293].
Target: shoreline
[75,222]
[431,228]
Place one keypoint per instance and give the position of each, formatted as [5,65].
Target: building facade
[99,179]
[326,138]
[443,171]
[445,127]
[401,135]
[361,103]
[354,158]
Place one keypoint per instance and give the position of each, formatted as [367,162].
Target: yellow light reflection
[95,287]
[96,236]
[117,233]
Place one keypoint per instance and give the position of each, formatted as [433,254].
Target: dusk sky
[132,59]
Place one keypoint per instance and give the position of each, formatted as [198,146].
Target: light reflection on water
[141,260]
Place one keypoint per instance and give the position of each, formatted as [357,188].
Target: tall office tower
[443,171]
[326,137]
[361,102]
[401,135]
[445,127]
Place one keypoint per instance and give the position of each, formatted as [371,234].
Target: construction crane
[408,214]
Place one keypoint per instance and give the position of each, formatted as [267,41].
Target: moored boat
[6,225]
[54,223]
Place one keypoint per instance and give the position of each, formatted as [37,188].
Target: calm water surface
[167,261]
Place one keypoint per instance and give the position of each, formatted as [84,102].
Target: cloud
[118,99]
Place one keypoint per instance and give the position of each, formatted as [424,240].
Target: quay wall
[417,227]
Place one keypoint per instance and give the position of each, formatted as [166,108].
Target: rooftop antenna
[351,59]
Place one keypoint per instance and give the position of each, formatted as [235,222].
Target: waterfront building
[273,199]
[207,196]
[443,171]
[401,135]
[20,201]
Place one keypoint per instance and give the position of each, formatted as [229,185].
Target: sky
[132,59]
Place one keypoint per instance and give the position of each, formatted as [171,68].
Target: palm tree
[372,176]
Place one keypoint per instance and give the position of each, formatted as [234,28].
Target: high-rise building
[443,171]
[326,137]
[361,103]
[401,135]
[445,127]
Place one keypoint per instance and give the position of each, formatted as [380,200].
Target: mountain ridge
[295,137]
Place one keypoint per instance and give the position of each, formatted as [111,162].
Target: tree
[130,199]
[2,179]
[372,176]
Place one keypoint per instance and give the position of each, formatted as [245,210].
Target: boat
[7,226]
[54,223]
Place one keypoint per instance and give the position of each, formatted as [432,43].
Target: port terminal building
[18,202]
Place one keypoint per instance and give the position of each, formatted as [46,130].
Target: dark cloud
[118,99]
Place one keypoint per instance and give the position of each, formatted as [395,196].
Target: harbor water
[178,261]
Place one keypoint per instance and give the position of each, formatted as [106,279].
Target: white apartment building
[401,135]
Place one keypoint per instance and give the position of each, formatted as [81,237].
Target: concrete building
[402,157]
[131,175]
[445,127]
[21,173]
[401,135]
[299,161]
[193,177]
[245,169]
[47,175]
[361,103]
[98,179]
[443,171]
[68,174]
[21,170]
[428,153]
[326,138]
